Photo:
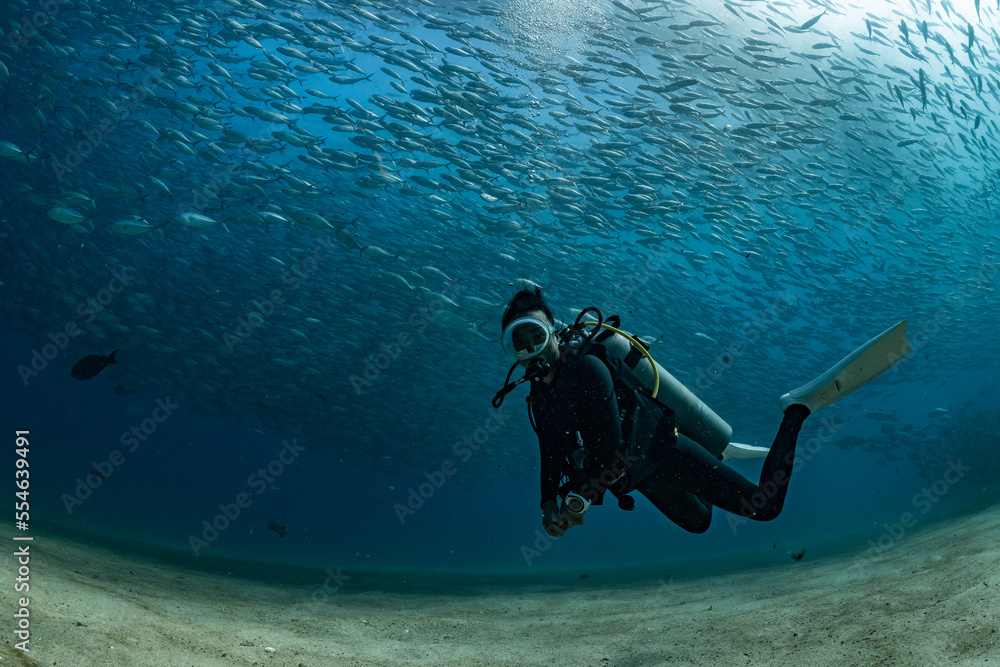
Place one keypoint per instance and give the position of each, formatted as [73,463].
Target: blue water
[784,285]
[339,516]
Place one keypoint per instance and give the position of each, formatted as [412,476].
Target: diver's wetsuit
[580,398]
[687,482]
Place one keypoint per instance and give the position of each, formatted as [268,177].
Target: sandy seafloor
[932,598]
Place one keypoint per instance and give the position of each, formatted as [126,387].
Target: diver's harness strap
[648,425]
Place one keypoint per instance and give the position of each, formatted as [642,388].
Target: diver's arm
[600,429]
[552,473]
[552,429]
[551,470]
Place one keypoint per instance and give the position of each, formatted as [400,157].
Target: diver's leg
[682,507]
[693,469]
[777,471]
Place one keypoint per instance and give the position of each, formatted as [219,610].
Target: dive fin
[853,371]
[737,450]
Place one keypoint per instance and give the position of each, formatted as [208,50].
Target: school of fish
[309,213]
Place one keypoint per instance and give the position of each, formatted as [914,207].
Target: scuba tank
[619,351]
[694,419]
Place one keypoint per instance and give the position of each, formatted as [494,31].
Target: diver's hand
[551,520]
[567,520]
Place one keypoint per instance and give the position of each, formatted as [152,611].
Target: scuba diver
[609,418]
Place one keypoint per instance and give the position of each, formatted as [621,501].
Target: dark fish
[123,390]
[799,555]
[951,54]
[677,85]
[97,474]
[811,22]
[881,415]
[906,32]
[819,73]
[278,528]
[91,365]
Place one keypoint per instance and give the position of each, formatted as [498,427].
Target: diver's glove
[573,509]
[550,519]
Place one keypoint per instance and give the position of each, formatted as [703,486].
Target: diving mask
[525,338]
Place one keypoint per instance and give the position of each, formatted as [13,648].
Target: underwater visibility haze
[256,252]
